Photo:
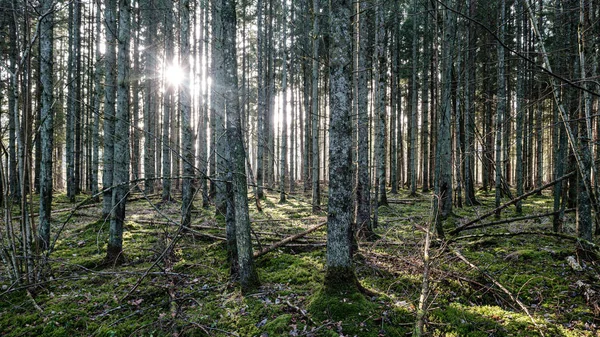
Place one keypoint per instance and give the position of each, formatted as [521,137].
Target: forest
[299,168]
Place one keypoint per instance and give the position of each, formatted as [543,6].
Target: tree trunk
[443,181]
[110,84]
[121,144]
[363,186]
[167,102]
[284,109]
[47,116]
[316,190]
[185,104]
[501,107]
[247,273]
[339,274]
[380,105]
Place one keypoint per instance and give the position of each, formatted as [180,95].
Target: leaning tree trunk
[247,273]
[114,251]
[47,116]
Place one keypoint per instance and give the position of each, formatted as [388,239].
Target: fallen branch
[288,240]
[499,285]
[513,201]
[580,241]
[529,217]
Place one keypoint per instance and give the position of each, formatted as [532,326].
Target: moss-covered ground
[189,291]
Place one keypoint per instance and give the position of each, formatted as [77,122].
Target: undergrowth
[189,292]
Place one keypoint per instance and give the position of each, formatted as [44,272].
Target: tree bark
[247,273]
[121,141]
[47,116]
[340,272]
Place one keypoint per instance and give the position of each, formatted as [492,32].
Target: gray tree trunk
[284,132]
[219,108]
[114,251]
[167,103]
[149,98]
[412,166]
[340,272]
[110,84]
[47,118]
[501,107]
[425,101]
[443,177]
[363,186]
[98,72]
[316,190]
[185,106]
[247,273]
[380,71]
[261,103]
[519,119]
[72,97]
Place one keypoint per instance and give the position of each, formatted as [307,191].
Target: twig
[499,285]
[287,240]
[300,310]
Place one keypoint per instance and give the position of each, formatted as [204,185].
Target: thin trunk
[316,191]
[363,188]
[185,106]
[47,116]
[247,273]
[114,251]
[110,84]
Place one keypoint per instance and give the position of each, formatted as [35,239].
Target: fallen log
[529,217]
[513,201]
[288,240]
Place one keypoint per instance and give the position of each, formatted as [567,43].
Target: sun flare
[174,75]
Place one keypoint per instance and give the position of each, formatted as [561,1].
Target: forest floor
[514,284]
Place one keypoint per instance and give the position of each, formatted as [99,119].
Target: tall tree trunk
[114,251]
[519,119]
[149,98]
[47,116]
[469,120]
[98,71]
[501,107]
[218,102]
[110,84]
[261,103]
[425,101]
[443,179]
[363,186]
[185,104]
[284,108]
[339,274]
[316,190]
[247,273]
[381,72]
[413,104]
[168,102]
